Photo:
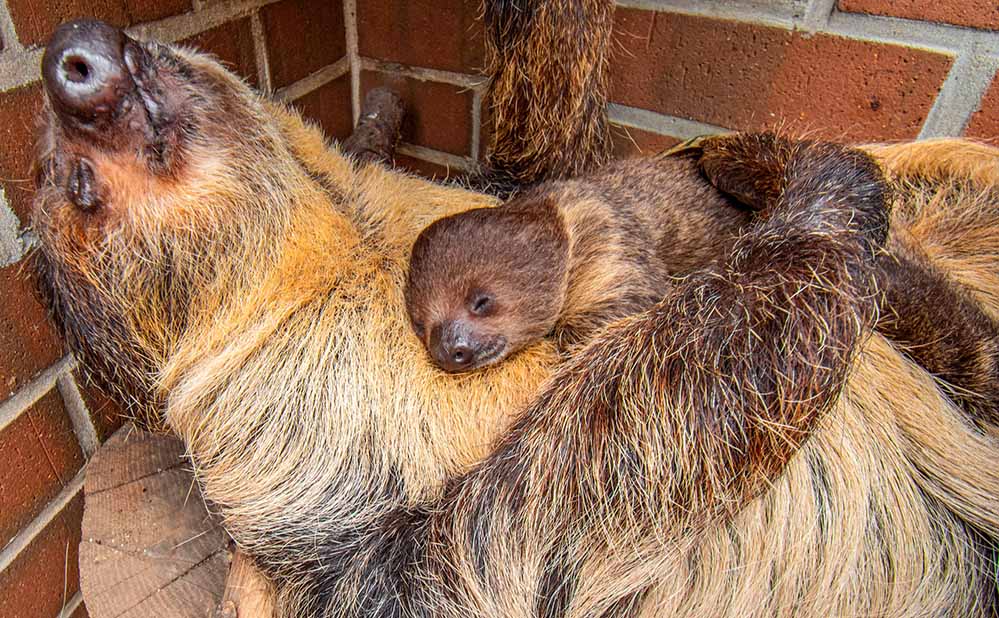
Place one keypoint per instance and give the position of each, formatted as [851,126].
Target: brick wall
[856,69]
[844,70]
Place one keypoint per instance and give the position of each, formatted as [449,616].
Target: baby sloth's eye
[482,304]
[418,329]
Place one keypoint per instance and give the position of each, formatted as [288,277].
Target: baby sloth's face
[472,327]
[484,284]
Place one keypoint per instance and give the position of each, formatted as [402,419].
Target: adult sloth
[233,275]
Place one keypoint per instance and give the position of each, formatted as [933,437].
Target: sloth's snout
[85,73]
[451,347]
[457,346]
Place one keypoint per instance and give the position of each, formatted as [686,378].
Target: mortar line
[353,56]
[476,137]
[71,606]
[12,246]
[960,95]
[23,538]
[187,25]
[661,124]
[437,157]
[425,74]
[313,81]
[260,51]
[8,33]
[34,390]
[817,15]
[19,67]
[931,36]
[83,424]
[716,9]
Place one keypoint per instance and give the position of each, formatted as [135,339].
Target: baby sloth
[563,258]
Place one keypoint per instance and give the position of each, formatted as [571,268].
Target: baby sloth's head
[487,282]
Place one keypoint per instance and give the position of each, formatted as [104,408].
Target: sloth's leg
[548,109]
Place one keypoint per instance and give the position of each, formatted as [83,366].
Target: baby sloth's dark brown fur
[565,257]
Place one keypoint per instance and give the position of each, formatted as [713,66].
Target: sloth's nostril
[81,189]
[76,69]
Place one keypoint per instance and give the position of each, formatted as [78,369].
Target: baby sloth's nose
[84,70]
[451,348]
[461,356]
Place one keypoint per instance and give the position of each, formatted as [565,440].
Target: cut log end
[150,545]
[377,132]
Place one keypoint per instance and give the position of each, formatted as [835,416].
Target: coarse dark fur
[563,257]
[923,310]
[744,448]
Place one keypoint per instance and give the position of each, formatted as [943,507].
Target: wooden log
[377,131]
[149,545]
[248,594]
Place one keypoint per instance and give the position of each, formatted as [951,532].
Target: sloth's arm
[938,323]
[940,326]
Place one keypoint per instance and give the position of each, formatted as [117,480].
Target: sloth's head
[485,283]
[159,175]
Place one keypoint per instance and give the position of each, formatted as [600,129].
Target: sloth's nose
[459,356]
[451,347]
[84,70]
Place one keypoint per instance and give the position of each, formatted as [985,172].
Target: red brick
[28,342]
[632,142]
[329,105]
[151,10]
[438,116]
[55,434]
[107,414]
[34,20]
[41,455]
[973,13]
[486,128]
[439,34]
[231,43]
[27,480]
[745,76]
[303,36]
[81,612]
[46,574]
[18,111]
[984,123]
